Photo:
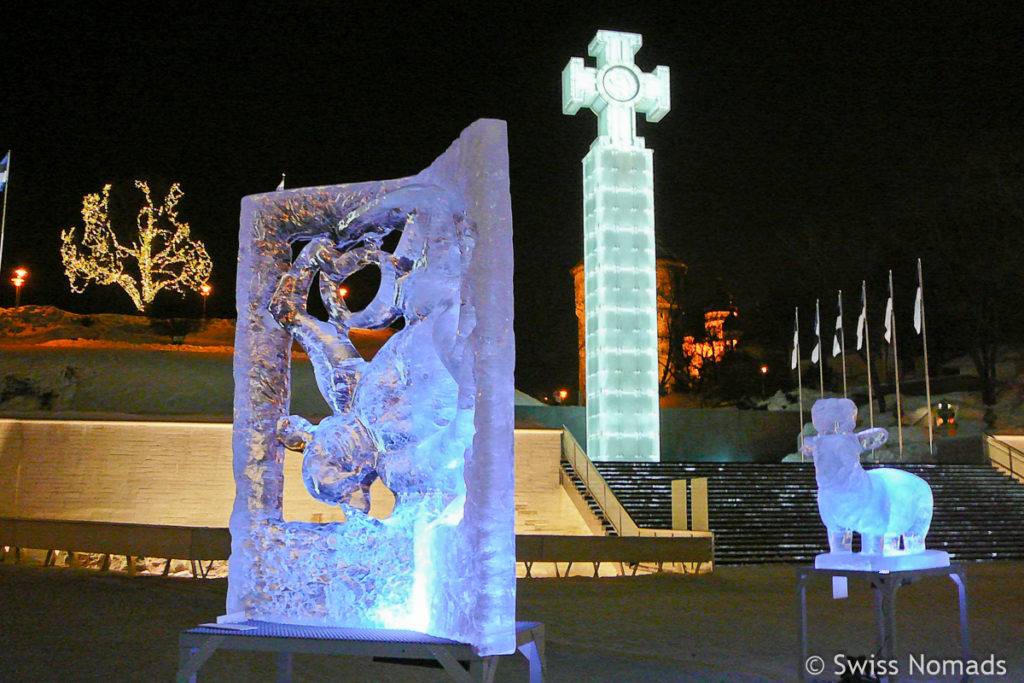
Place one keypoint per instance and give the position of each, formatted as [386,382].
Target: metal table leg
[191,659]
[960,579]
[801,593]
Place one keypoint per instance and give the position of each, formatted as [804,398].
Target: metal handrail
[1012,454]
[599,490]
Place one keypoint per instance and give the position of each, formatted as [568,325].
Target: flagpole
[896,370]
[799,378]
[867,352]
[924,342]
[842,340]
[821,360]
[3,220]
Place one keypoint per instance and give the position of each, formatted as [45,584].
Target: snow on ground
[55,364]
[738,625]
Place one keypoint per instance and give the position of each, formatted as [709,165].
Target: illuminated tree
[162,256]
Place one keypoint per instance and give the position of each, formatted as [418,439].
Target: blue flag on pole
[3,170]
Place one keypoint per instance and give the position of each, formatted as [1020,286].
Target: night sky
[785,121]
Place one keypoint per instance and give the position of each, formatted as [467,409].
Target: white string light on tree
[163,253]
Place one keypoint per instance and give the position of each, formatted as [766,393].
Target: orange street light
[562,395]
[205,290]
[20,275]
[342,291]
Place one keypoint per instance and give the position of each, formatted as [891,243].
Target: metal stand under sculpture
[885,585]
[620,277]
[431,414]
[891,509]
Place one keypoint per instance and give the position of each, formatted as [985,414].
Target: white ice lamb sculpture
[883,505]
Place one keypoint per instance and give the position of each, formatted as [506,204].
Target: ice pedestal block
[889,508]
[431,415]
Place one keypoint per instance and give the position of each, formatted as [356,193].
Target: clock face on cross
[620,83]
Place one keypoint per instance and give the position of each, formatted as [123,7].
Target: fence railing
[1005,456]
[611,508]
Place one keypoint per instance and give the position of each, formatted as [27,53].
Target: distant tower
[621,299]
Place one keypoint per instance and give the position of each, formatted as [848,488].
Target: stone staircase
[768,512]
[577,483]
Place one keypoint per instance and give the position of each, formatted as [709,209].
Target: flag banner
[888,319]
[3,170]
[837,346]
[816,353]
[862,321]
[917,310]
[796,343]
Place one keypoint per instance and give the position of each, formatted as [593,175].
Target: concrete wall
[694,435]
[179,473]
[142,472]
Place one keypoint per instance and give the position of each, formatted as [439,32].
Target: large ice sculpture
[620,277]
[431,414]
[891,509]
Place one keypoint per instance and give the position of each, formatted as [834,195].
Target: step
[975,513]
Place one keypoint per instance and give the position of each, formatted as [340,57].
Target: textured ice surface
[431,414]
[889,508]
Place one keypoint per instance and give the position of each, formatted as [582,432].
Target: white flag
[888,319]
[918,313]
[862,321]
[837,346]
[816,352]
[796,342]
[280,185]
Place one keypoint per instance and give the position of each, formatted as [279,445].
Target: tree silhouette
[161,257]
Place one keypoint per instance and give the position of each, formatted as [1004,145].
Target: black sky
[799,115]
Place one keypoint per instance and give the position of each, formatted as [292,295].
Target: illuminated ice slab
[882,563]
[430,416]
[891,509]
[620,275]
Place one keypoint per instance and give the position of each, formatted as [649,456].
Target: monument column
[620,276]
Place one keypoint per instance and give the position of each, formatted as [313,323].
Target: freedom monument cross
[620,277]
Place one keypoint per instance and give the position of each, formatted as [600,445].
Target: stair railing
[610,506]
[1005,456]
[596,486]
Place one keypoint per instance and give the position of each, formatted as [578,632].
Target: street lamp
[205,290]
[20,275]
[764,371]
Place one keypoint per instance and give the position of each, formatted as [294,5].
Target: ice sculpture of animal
[430,414]
[884,505]
[375,419]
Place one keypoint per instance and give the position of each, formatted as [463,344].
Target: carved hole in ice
[362,286]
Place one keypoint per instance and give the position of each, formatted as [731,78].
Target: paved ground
[737,625]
